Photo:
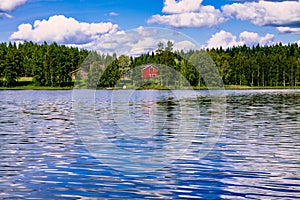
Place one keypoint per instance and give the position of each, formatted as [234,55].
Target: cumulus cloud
[138,41]
[203,19]
[291,30]
[262,13]
[191,13]
[144,40]
[251,39]
[227,39]
[64,30]
[134,42]
[173,6]
[222,38]
[144,45]
[188,13]
[185,45]
[9,5]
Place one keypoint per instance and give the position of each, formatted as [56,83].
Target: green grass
[241,87]
[25,79]
[33,87]
[25,83]
[153,87]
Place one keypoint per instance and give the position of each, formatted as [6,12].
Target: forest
[51,65]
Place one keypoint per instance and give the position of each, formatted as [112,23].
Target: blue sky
[209,22]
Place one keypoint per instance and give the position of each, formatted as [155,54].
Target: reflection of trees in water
[168,105]
[170,109]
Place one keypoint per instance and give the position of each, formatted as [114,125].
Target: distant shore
[35,88]
[226,87]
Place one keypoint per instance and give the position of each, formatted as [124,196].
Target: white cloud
[5,15]
[188,13]
[139,41]
[147,32]
[227,39]
[102,37]
[264,13]
[9,5]
[144,45]
[222,38]
[133,42]
[252,39]
[113,14]
[207,16]
[64,30]
[182,6]
[292,30]
[185,45]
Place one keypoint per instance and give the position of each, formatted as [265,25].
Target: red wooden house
[149,72]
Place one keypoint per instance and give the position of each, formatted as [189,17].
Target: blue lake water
[45,154]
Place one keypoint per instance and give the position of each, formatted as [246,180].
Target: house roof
[147,66]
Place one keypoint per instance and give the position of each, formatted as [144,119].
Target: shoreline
[226,87]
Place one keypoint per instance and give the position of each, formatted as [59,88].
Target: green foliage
[111,75]
[276,65]
[50,65]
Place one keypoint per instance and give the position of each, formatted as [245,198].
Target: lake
[149,144]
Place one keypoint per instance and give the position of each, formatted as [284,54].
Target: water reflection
[256,157]
[264,141]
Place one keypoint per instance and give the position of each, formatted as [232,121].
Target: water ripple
[256,157]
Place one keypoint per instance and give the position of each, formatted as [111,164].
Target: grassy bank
[32,87]
[241,87]
[25,83]
[227,87]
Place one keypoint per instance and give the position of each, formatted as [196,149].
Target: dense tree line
[51,64]
[277,65]
[167,61]
[47,64]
